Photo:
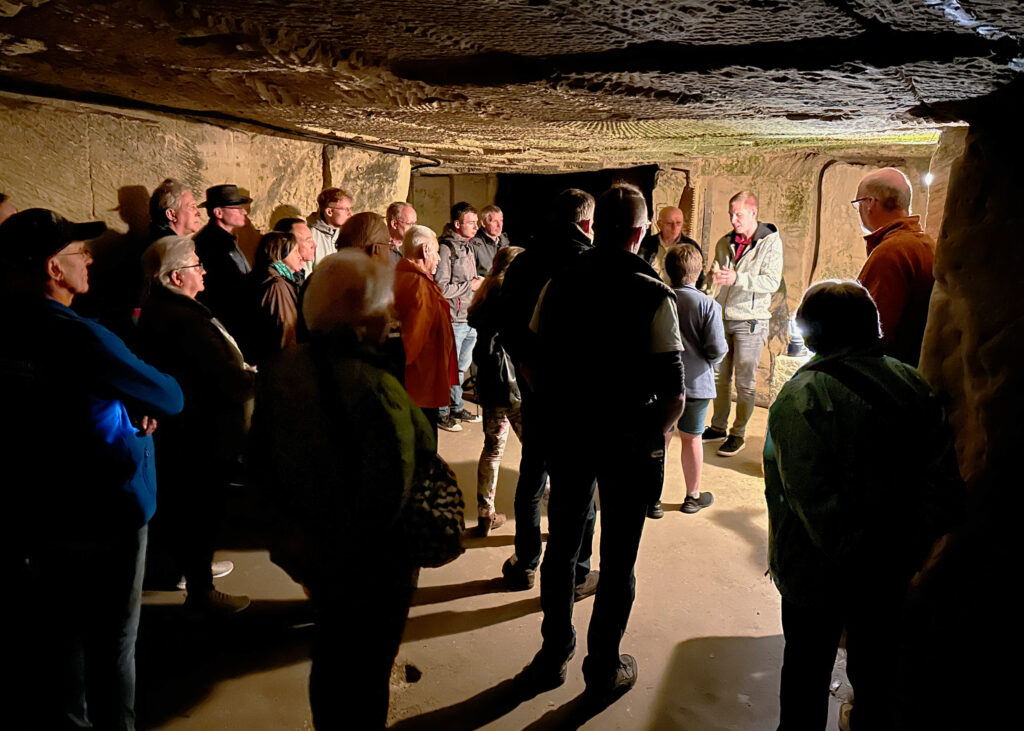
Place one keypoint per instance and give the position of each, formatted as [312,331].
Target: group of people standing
[355,356]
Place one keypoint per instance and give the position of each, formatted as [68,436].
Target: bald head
[884,196]
[670,224]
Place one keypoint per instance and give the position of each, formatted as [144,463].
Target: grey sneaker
[693,504]
[448,423]
[733,446]
[217,603]
[655,511]
[463,415]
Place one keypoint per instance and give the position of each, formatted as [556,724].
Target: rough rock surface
[98,164]
[530,84]
[975,334]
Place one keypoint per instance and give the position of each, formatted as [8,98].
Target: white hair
[414,238]
[346,291]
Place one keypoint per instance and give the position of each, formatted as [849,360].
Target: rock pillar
[964,623]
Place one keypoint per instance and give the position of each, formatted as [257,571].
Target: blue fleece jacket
[86,383]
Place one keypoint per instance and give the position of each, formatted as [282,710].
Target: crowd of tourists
[321,370]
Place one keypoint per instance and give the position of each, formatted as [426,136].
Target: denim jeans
[88,645]
[746,339]
[533,478]
[465,339]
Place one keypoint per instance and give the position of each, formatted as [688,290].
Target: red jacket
[898,274]
[431,364]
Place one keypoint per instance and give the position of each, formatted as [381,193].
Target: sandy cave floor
[705,627]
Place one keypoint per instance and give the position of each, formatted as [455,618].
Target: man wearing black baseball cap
[225,264]
[78,455]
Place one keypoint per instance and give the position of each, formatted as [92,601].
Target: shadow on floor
[180,657]
[747,462]
[472,713]
[439,624]
[450,592]
[720,683]
[507,537]
[744,523]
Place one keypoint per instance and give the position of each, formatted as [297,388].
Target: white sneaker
[218,569]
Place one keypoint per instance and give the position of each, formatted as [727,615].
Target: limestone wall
[89,162]
[807,194]
[434,195]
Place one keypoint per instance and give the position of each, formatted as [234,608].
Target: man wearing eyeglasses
[334,207]
[401,216]
[226,265]
[80,482]
[898,272]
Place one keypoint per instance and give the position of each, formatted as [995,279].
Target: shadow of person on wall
[115,278]
[284,210]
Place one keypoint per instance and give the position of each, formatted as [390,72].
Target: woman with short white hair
[200,448]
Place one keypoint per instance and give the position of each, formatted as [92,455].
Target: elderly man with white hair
[199,449]
[336,438]
[431,363]
[173,211]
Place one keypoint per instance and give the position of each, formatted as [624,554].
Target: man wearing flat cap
[225,264]
[80,484]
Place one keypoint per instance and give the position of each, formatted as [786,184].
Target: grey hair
[348,290]
[164,256]
[488,210]
[166,197]
[395,210]
[414,238]
[890,197]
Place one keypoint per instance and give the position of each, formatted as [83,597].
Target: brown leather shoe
[487,523]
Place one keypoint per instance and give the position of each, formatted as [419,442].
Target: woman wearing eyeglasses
[199,449]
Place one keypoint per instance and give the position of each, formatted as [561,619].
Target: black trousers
[533,478]
[872,620]
[357,639]
[628,476]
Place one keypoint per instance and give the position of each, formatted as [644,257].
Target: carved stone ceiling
[532,84]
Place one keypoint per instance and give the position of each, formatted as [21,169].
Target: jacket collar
[404,265]
[763,231]
[910,223]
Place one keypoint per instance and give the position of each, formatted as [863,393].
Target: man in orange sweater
[898,272]
[431,363]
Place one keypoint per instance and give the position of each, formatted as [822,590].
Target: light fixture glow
[928,178]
